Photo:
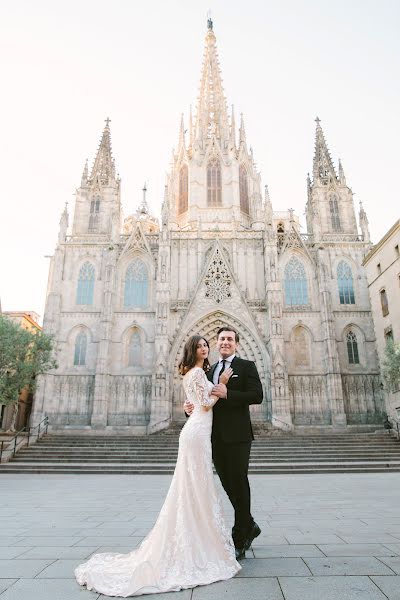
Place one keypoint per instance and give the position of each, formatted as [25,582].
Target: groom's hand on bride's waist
[219,390]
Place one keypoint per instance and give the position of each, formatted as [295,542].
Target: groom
[232,433]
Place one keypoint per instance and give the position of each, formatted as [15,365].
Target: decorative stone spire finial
[323,166]
[342,177]
[63,224]
[212,115]
[364,225]
[85,174]
[104,167]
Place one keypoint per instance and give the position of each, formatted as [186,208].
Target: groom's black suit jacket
[231,415]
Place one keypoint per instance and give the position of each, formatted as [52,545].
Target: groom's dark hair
[227,328]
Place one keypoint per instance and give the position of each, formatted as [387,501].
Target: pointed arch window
[135,349]
[85,289]
[352,348]
[94,214]
[243,189]
[183,190]
[80,349]
[136,284]
[384,303]
[214,183]
[345,283]
[296,288]
[335,217]
[301,347]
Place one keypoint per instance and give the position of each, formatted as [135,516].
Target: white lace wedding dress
[190,544]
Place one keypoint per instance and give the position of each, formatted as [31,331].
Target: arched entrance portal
[251,348]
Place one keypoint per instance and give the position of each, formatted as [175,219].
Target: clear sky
[67,65]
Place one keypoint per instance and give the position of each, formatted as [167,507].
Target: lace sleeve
[201,388]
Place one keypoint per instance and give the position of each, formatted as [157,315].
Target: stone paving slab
[60,569]
[330,588]
[56,552]
[390,586]
[273,567]
[12,551]
[47,589]
[393,562]
[22,568]
[349,565]
[6,583]
[288,551]
[354,549]
[394,548]
[239,589]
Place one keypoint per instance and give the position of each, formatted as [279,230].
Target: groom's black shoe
[240,553]
[253,533]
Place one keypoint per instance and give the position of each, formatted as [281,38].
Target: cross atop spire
[104,166]
[323,166]
[212,115]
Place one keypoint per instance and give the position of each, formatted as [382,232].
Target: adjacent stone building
[125,294]
[382,264]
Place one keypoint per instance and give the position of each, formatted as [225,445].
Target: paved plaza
[324,537]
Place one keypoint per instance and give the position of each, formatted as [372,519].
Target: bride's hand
[225,376]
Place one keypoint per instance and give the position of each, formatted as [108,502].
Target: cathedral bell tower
[213,179]
[330,206]
[98,201]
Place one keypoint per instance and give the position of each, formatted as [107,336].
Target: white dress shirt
[228,360]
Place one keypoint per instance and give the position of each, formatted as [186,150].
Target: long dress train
[190,544]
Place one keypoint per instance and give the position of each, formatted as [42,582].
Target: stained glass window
[345,283]
[80,349]
[136,284]
[214,183]
[85,289]
[352,348]
[296,289]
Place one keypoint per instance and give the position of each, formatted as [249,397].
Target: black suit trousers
[231,461]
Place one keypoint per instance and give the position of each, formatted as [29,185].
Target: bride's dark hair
[189,355]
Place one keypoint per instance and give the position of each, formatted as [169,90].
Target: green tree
[23,356]
[391,367]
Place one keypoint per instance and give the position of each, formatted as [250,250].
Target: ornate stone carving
[217,280]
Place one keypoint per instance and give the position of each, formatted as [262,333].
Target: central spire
[212,115]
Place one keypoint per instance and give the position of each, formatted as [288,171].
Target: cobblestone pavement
[324,537]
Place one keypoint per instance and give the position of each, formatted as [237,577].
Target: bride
[190,544]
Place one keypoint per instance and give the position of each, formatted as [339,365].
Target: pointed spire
[143,207]
[342,177]
[323,165]
[233,128]
[364,224]
[104,166]
[190,127]
[212,116]
[85,174]
[266,194]
[63,224]
[181,142]
[242,131]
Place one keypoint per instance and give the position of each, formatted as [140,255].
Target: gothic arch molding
[250,348]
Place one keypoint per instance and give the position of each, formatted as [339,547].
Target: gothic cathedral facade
[124,295]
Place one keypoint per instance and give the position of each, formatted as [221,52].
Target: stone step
[154,468]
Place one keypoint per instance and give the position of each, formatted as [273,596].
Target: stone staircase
[284,453]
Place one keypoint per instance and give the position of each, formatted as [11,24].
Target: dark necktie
[221,371]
